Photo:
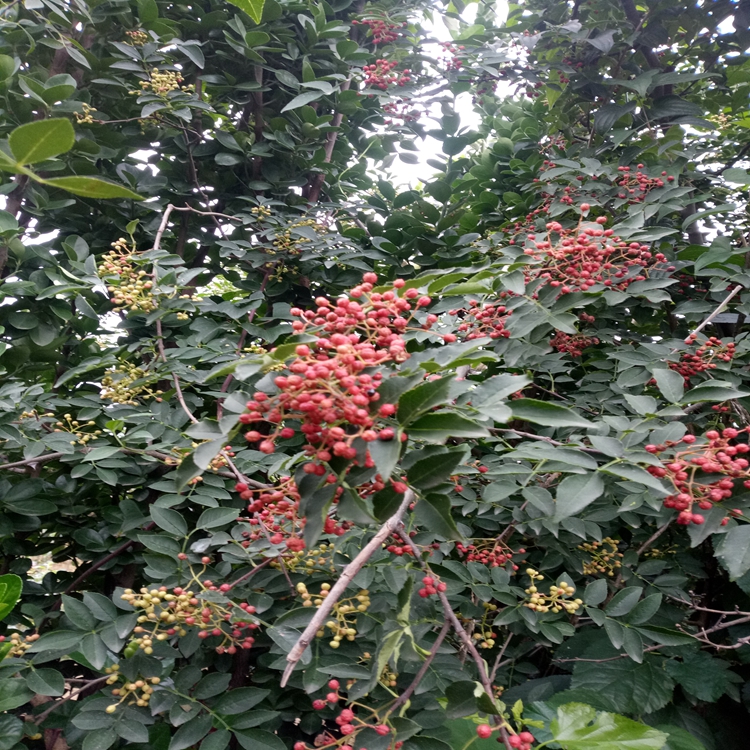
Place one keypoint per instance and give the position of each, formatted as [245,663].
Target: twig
[722,305]
[653,538]
[340,586]
[450,617]
[73,694]
[609,658]
[549,440]
[181,399]
[247,575]
[46,458]
[496,665]
[404,697]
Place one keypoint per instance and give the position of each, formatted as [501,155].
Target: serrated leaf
[733,551]
[434,513]
[580,727]
[575,493]
[213,518]
[671,384]
[169,520]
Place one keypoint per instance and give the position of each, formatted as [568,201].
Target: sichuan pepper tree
[295,458]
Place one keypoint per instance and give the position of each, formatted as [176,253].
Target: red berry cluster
[327,388]
[572,344]
[636,185]
[520,741]
[484,85]
[579,258]
[430,587]
[401,110]
[489,552]
[479,321]
[275,513]
[348,722]
[398,546]
[688,464]
[381,75]
[449,58]
[704,357]
[535,91]
[382,31]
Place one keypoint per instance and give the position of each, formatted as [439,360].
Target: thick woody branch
[343,582]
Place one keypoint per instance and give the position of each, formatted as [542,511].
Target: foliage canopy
[293,457]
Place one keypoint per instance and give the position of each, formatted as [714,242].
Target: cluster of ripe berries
[167,613]
[572,344]
[449,56]
[327,389]
[398,546]
[381,75]
[382,32]
[348,722]
[430,587]
[689,461]
[492,554]
[520,741]
[480,321]
[704,358]
[577,259]
[637,185]
[402,110]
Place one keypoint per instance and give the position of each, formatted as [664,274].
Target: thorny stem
[344,580]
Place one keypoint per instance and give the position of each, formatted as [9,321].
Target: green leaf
[671,384]
[240,700]
[259,739]
[439,427]
[712,391]
[596,592]
[702,675]
[433,470]
[13,693]
[78,613]
[575,493]
[217,740]
[92,187]
[41,140]
[100,740]
[385,454]
[636,688]
[422,398]
[10,593]
[213,518]
[679,738]
[169,520]
[191,733]
[623,601]
[301,99]
[59,640]
[579,727]
[211,685]
[434,513]
[733,551]
[254,9]
[462,700]
[546,413]
[11,731]
[46,682]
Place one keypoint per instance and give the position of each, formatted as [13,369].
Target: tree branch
[340,586]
